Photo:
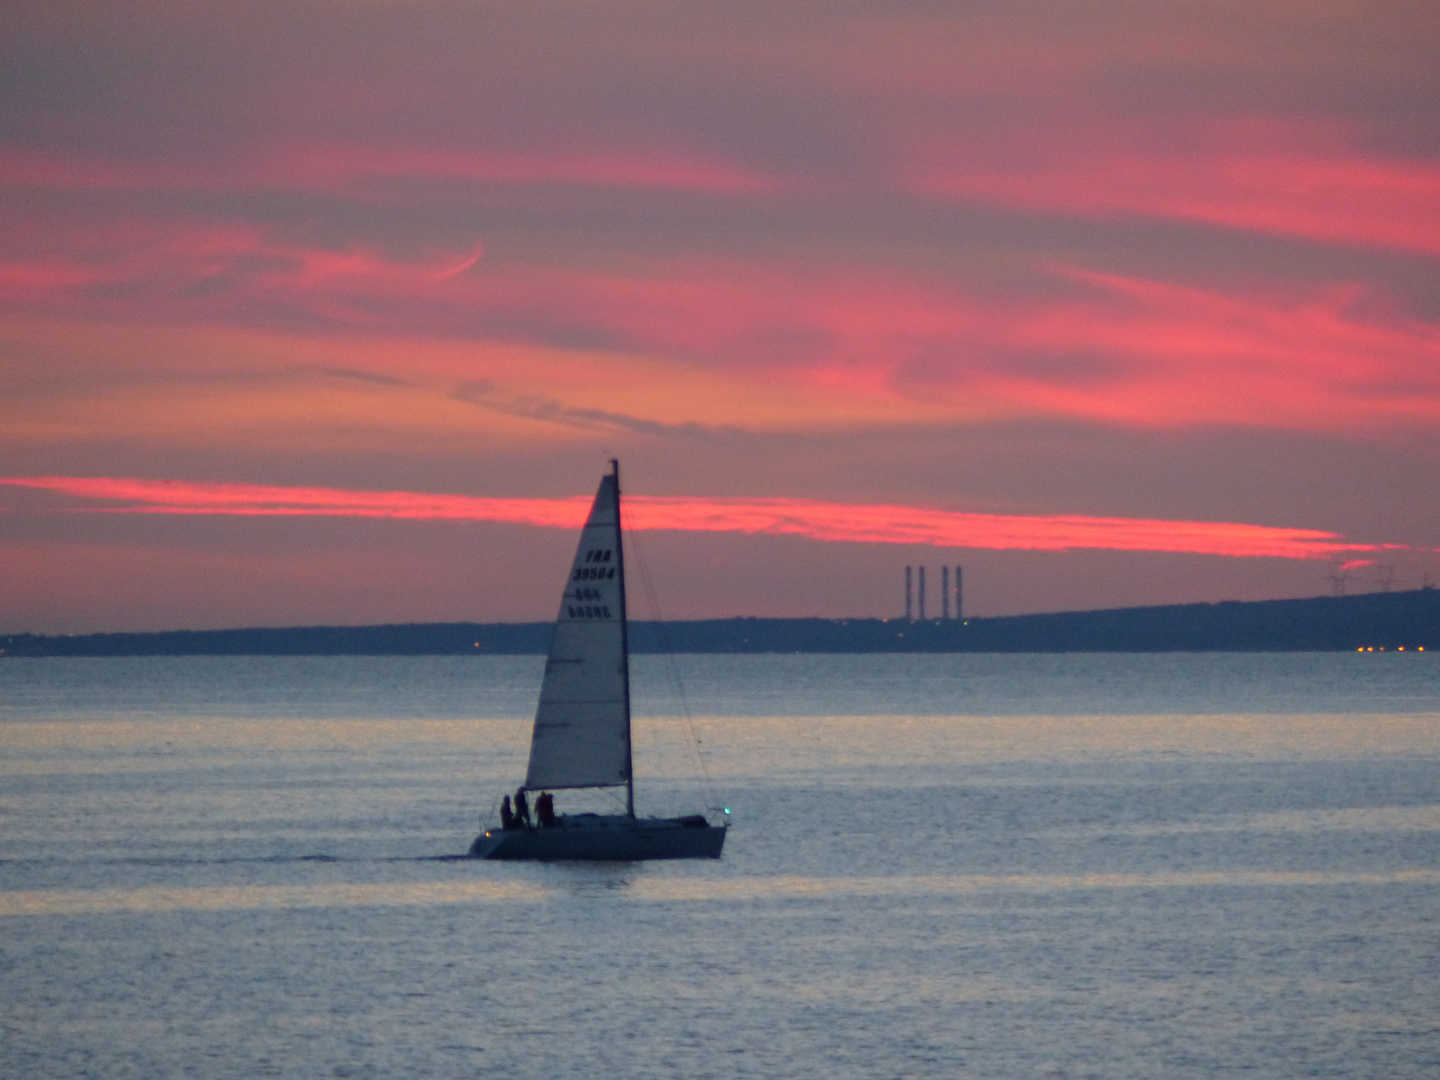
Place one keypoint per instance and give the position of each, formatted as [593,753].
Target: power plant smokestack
[944,592]
[909,596]
[959,596]
[922,594]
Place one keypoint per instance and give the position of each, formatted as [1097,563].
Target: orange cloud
[835,522]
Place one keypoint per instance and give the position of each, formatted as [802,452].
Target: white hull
[605,838]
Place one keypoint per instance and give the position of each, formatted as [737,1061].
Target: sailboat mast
[624,643]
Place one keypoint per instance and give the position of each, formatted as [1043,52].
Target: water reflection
[580,881]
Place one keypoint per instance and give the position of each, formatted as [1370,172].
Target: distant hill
[1324,623]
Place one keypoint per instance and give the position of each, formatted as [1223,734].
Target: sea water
[939,866]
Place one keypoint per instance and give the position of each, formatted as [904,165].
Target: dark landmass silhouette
[1388,620]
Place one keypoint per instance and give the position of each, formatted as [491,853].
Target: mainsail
[582,725]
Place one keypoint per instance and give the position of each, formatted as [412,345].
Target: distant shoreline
[1409,620]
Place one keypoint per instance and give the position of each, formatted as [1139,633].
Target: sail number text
[588,611]
[593,570]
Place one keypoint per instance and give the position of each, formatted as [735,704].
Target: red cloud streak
[839,522]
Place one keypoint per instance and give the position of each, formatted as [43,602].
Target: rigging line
[672,667]
[614,796]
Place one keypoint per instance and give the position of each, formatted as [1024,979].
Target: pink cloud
[240,274]
[833,522]
[1274,178]
[1190,354]
[1072,343]
[1107,348]
[1354,564]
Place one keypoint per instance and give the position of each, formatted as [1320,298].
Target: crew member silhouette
[522,808]
[507,816]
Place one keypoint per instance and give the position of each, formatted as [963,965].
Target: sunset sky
[333,311]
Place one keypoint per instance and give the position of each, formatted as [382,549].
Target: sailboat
[581,737]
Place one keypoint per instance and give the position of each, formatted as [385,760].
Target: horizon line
[739,618]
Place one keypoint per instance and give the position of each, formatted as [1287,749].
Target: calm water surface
[987,866]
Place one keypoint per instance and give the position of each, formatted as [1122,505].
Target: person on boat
[545,810]
[522,808]
[507,816]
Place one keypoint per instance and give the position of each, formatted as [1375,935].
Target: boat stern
[488,843]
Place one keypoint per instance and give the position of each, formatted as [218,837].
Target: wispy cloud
[812,519]
[338,168]
[549,410]
[1070,341]
[1335,198]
